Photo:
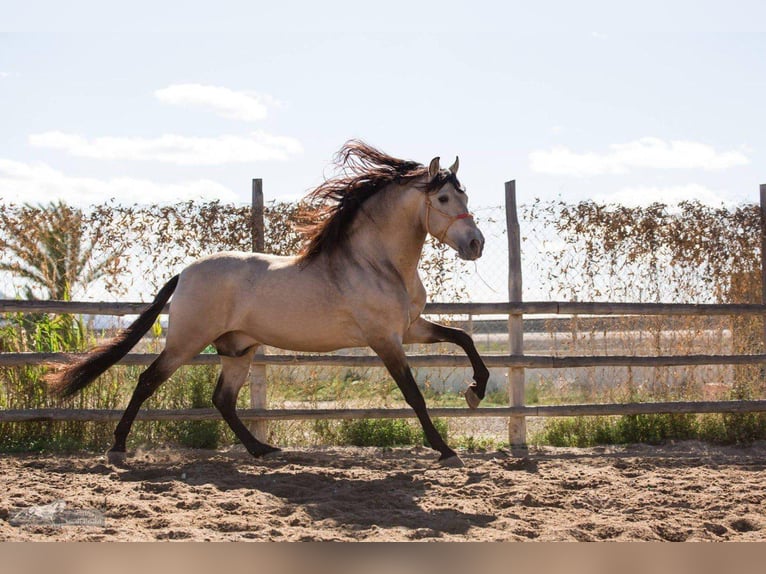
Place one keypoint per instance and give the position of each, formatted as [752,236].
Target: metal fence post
[517,425]
[259,428]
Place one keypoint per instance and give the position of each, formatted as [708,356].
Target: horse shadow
[341,492]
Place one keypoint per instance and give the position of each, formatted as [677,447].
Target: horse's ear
[454,166]
[433,167]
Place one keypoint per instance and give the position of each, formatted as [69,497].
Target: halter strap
[452,219]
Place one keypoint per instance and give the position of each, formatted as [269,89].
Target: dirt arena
[682,492]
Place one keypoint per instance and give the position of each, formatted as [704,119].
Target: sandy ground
[681,492]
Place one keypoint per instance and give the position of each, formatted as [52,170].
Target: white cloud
[647,153]
[39,183]
[245,106]
[669,195]
[177,149]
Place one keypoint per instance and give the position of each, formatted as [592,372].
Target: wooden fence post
[763,257]
[258,371]
[517,425]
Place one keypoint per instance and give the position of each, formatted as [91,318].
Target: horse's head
[446,215]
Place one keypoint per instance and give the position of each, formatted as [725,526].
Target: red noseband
[452,219]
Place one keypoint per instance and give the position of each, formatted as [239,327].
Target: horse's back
[273,298]
[234,284]
[234,264]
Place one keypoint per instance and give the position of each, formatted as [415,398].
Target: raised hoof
[116,458]
[453,461]
[471,398]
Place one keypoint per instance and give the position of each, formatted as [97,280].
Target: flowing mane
[364,171]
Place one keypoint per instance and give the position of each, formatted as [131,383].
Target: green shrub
[471,443]
[655,428]
[577,431]
[532,393]
[744,428]
[739,428]
[733,428]
[374,432]
[384,432]
[496,397]
[200,384]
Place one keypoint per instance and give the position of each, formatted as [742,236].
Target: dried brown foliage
[55,249]
[692,253]
[687,254]
[137,248]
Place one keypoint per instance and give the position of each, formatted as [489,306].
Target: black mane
[364,172]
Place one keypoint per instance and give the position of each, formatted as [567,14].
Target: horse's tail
[76,376]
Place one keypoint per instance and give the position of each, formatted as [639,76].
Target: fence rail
[504,308]
[492,361]
[108,415]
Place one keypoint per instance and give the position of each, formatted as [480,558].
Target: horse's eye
[443,199]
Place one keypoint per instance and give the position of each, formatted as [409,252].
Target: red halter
[452,219]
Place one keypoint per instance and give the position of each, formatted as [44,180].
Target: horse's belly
[308,342]
[304,334]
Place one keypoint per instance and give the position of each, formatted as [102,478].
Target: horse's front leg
[392,354]
[422,331]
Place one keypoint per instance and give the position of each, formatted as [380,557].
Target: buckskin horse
[354,284]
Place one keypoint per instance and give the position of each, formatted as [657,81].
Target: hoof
[471,398]
[268,453]
[116,458]
[453,461]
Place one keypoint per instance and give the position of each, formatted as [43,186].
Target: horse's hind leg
[156,374]
[234,371]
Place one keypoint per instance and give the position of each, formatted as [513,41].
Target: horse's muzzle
[472,247]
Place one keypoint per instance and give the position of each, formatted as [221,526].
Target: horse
[354,283]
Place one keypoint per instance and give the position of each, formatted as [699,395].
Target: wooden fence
[515,361]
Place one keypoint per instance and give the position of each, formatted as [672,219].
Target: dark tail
[76,376]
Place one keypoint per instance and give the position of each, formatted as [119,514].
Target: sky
[162,101]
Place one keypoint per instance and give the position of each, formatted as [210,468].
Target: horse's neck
[389,230]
